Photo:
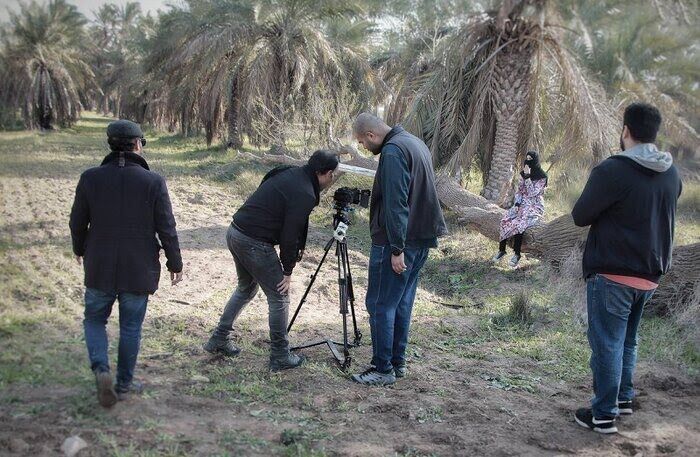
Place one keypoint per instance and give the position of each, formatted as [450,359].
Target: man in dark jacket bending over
[405,222]
[119,209]
[630,203]
[276,213]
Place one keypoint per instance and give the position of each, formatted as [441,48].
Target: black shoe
[286,362]
[106,395]
[625,408]
[584,417]
[400,370]
[217,345]
[125,391]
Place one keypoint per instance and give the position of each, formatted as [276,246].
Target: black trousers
[517,244]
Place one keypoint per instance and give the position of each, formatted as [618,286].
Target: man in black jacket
[277,213]
[405,222]
[118,210]
[630,203]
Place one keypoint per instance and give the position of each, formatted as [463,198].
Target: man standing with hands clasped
[119,209]
[630,203]
[405,222]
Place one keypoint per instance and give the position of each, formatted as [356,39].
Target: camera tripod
[346,295]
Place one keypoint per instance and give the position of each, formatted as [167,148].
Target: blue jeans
[614,314]
[132,310]
[389,304]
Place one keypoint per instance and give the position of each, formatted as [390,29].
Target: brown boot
[105,389]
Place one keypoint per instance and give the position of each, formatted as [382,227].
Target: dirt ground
[467,397]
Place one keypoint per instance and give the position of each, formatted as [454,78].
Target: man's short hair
[119,144]
[643,121]
[323,161]
[366,122]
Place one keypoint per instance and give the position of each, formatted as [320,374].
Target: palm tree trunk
[234,116]
[503,159]
[46,115]
[511,87]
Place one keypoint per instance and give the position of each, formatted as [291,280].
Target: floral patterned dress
[530,197]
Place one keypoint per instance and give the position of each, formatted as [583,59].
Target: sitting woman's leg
[501,251]
[517,243]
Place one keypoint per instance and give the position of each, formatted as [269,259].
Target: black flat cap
[124,129]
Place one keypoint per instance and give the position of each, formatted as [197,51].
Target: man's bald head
[370,131]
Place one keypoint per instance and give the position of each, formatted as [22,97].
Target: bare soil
[450,404]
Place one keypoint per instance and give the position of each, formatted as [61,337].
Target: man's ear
[625,132]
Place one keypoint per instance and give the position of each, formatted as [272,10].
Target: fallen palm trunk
[553,241]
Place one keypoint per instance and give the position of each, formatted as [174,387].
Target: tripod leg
[311,283]
[351,297]
[343,286]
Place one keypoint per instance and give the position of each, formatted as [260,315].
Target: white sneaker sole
[605,431]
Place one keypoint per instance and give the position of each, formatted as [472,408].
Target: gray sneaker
[514,261]
[286,362]
[217,345]
[400,371]
[499,255]
[372,377]
[105,389]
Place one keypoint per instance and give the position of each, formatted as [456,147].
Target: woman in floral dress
[527,210]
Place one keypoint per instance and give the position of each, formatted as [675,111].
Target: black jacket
[631,210]
[278,211]
[405,209]
[116,215]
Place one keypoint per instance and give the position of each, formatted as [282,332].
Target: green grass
[515,328]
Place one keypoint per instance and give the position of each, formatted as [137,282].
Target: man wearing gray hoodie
[630,204]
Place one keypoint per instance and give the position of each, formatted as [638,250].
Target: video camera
[346,196]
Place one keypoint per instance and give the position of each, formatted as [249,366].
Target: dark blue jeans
[390,302]
[614,314]
[132,310]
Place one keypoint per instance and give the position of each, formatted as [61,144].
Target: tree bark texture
[511,87]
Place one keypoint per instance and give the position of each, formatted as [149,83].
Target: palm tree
[43,65]
[267,68]
[502,80]
[116,61]
[645,51]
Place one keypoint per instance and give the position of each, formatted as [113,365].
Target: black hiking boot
[217,345]
[286,361]
[106,395]
[124,392]
[584,418]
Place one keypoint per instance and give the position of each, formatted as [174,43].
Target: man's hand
[284,285]
[79,259]
[175,278]
[398,264]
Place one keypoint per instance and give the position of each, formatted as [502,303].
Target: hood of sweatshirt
[646,155]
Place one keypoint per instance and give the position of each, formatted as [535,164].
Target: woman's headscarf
[532,160]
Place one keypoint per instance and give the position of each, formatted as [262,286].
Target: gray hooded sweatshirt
[630,204]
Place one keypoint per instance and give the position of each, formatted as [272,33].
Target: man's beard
[622,144]
[375,149]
